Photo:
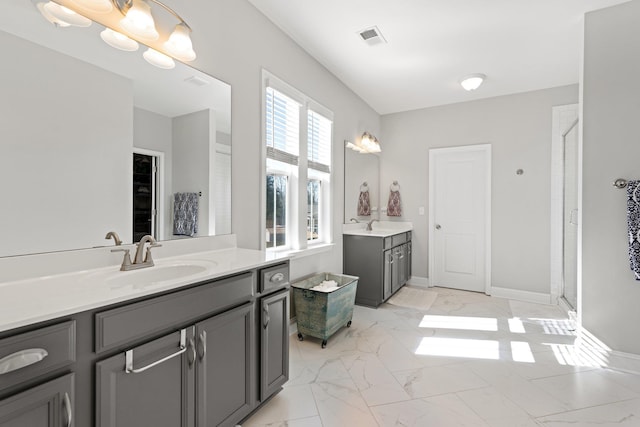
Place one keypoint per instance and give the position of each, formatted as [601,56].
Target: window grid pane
[313,211]
[282,122]
[276,233]
[319,141]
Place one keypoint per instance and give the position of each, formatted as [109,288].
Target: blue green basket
[321,314]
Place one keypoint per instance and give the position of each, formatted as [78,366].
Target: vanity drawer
[399,239]
[274,277]
[119,326]
[30,354]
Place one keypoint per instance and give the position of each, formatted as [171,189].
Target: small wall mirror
[74,112]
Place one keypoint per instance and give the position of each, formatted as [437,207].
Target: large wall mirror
[95,139]
[361,172]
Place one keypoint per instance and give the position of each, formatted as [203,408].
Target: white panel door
[460,199]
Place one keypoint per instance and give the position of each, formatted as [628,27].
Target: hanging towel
[393,207]
[364,204]
[633,221]
[185,214]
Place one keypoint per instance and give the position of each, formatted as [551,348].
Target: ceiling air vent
[372,36]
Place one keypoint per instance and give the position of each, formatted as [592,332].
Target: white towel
[326,286]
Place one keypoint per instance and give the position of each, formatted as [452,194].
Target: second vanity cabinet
[383,265]
[207,354]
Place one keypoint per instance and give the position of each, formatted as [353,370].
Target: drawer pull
[277,278]
[68,411]
[21,359]
[129,356]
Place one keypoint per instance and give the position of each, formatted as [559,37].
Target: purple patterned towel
[393,207]
[364,204]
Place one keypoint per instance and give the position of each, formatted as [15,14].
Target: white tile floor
[471,360]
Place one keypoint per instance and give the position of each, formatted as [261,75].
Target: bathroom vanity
[380,257]
[97,347]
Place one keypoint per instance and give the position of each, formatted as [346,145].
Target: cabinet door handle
[129,356]
[438,226]
[191,354]
[266,319]
[202,345]
[21,359]
[68,411]
[277,278]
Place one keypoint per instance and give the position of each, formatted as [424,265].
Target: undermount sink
[158,274]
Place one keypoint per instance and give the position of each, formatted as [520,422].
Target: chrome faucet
[138,261]
[114,235]
[369,225]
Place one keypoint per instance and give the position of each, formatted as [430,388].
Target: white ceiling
[521,45]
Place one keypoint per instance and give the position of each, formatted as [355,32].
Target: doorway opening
[145,195]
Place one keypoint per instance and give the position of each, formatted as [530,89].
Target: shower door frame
[563,117]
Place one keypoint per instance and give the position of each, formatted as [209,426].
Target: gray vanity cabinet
[383,265]
[155,392]
[47,405]
[274,338]
[224,367]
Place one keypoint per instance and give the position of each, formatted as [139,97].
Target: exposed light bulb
[179,44]
[118,40]
[158,59]
[139,21]
[64,15]
[472,82]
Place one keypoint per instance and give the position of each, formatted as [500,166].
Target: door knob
[438,226]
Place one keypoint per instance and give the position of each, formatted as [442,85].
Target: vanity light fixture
[367,144]
[128,22]
[158,59]
[118,40]
[62,16]
[472,81]
[97,6]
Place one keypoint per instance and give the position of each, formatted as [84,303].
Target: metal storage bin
[321,314]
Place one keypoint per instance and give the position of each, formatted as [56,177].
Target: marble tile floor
[470,360]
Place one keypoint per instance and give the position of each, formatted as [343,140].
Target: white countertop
[378,228]
[32,300]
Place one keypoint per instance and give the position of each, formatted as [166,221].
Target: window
[298,139]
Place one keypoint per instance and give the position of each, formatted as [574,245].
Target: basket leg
[324,343]
[349,324]
[300,337]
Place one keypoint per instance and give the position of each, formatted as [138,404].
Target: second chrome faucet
[138,260]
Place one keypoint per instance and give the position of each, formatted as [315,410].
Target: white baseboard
[594,349]
[515,294]
[293,326]
[422,282]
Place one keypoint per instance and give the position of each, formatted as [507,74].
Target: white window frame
[298,176]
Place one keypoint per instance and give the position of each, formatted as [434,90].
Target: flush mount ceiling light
[129,22]
[472,81]
[367,144]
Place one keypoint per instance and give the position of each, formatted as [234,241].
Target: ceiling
[521,45]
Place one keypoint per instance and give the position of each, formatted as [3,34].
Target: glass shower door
[570,223]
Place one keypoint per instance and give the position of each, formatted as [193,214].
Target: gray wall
[193,148]
[518,127]
[234,41]
[154,132]
[611,149]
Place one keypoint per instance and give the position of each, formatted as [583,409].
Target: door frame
[486,150]
[563,117]
[160,202]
